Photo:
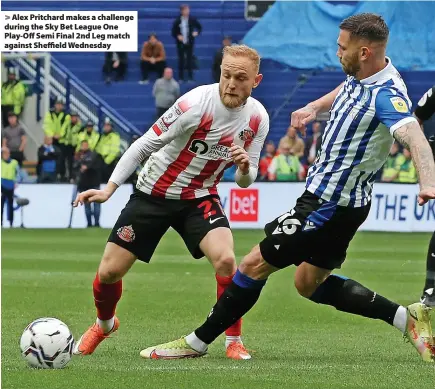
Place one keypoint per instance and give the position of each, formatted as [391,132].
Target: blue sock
[247,282]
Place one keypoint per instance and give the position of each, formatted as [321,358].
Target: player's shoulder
[392,87]
[392,83]
[257,107]
[197,97]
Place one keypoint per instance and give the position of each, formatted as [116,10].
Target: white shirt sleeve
[254,151]
[183,116]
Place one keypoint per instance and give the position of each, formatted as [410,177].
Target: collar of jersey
[379,75]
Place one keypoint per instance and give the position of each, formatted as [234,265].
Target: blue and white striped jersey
[358,136]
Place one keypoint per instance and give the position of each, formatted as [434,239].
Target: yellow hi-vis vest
[14,93]
[407,173]
[56,123]
[92,139]
[109,147]
[287,168]
[9,170]
[69,133]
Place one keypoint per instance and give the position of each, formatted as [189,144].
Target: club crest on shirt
[126,233]
[246,135]
[399,104]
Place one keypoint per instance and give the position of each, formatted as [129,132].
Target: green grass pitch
[295,343]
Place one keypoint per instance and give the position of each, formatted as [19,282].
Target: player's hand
[425,195]
[195,33]
[180,38]
[91,196]
[302,117]
[240,158]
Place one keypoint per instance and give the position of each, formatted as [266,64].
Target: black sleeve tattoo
[412,138]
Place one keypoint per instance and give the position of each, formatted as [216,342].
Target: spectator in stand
[48,160]
[407,172]
[286,166]
[9,173]
[216,68]
[184,30]
[109,148]
[115,62]
[265,161]
[166,91]
[56,121]
[292,139]
[153,58]
[313,143]
[89,177]
[88,134]
[13,96]
[14,138]
[391,169]
[67,146]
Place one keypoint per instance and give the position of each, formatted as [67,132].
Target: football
[47,343]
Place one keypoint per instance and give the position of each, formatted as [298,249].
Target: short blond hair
[243,51]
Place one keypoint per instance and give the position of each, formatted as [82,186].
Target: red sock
[222,283]
[106,296]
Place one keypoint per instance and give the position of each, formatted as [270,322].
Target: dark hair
[183,6]
[366,26]
[152,34]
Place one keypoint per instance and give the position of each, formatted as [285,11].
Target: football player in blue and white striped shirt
[367,112]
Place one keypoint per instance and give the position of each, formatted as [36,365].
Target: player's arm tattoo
[412,138]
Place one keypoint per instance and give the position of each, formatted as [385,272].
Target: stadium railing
[77,95]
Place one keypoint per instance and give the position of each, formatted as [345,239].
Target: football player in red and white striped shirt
[186,151]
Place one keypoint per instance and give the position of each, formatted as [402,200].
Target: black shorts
[145,219]
[314,231]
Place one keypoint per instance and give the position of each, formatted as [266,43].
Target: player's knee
[225,264]
[108,276]
[254,266]
[304,287]
[107,272]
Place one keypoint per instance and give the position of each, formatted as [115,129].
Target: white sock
[400,319]
[196,343]
[231,339]
[106,325]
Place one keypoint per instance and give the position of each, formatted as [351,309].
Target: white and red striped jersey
[187,149]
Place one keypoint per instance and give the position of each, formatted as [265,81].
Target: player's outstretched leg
[107,289]
[347,295]
[428,297]
[314,283]
[237,299]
